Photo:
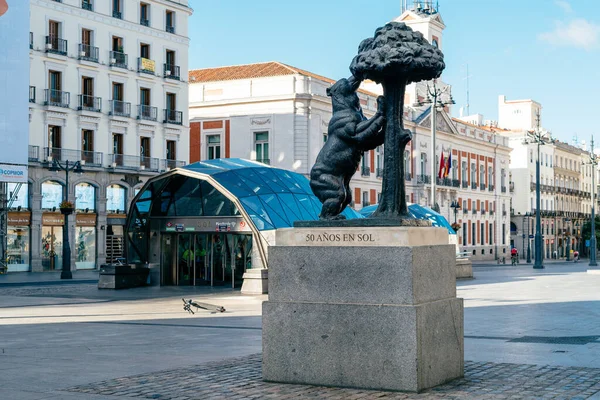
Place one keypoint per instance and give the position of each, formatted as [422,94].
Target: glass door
[216,260]
[168,265]
[201,267]
[185,260]
[52,248]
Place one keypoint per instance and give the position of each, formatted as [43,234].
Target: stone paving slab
[240,378]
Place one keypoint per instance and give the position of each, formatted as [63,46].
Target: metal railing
[407,178]
[491,188]
[31,40]
[473,185]
[87,5]
[147,113]
[170,29]
[173,117]
[379,173]
[120,108]
[504,213]
[482,186]
[56,45]
[172,71]
[89,103]
[90,158]
[503,189]
[133,162]
[144,21]
[423,179]
[170,164]
[474,211]
[32,94]
[88,52]
[465,184]
[455,183]
[34,153]
[118,59]
[57,98]
[117,14]
[365,171]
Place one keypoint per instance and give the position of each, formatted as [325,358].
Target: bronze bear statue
[349,135]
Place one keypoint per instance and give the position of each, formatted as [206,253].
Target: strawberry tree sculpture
[395,57]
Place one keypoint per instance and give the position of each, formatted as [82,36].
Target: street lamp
[527,214]
[456,206]
[434,97]
[67,167]
[540,138]
[568,240]
[593,162]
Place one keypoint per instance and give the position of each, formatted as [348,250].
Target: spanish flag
[448,165]
[442,170]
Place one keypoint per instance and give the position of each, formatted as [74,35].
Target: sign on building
[14,90]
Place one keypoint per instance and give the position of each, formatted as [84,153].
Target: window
[464,232]
[54,137]
[454,170]
[55,80]
[86,37]
[261,146]
[473,174]
[365,199]
[85,197]
[145,146]
[170,58]
[144,14]
[117,143]
[379,159]
[21,199]
[490,176]
[531,156]
[423,164]
[213,147]
[87,146]
[145,51]
[473,237]
[117,9]
[481,175]
[503,235]
[503,177]
[171,102]
[115,199]
[491,241]
[54,30]
[464,172]
[482,231]
[170,21]
[324,137]
[52,193]
[464,206]
[171,150]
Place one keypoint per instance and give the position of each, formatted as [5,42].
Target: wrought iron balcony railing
[117,14]
[34,153]
[423,179]
[90,158]
[465,184]
[365,171]
[407,177]
[56,45]
[89,103]
[57,98]
[118,59]
[170,29]
[173,117]
[172,71]
[503,189]
[147,113]
[170,164]
[87,5]
[120,108]
[133,162]
[144,21]
[88,52]
[379,172]
[473,185]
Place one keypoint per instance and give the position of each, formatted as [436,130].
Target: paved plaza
[528,334]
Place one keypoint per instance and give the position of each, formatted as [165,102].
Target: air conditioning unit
[49,46]
[82,53]
[167,72]
[113,60]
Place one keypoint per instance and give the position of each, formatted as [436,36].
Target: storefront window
[85,252]
[21,199]
[85,197]
[52,193]
[115,199]
[18,249]
[51,247]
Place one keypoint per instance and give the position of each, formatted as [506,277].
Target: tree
[394,57]
[586,231]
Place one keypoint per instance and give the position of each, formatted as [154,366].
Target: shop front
[18,241]
[52,241]
[85,241]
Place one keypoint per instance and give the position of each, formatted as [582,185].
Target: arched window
[52,193]
[20,198]
[115,199]
[85,197]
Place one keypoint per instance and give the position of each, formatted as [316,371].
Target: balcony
[34,153]
[173,117]
[170,29]
[133,162]
[423,179]
[266,161]
[474,211]
[407,177]
[503,189]
[379,173]
[473,185]
[511,186]
[146,66]
[504,213]
[482,211]
[455,183]
[365,171]
[532,186]
[120,108]
[465,184]
[89,158]
[88,53]
[172,71]
[117,14]
[365,204]
[32,94]
[147,113]
[30,40]
[166,165]
[144,21]
[89,103]
[56,45]
[118,59]
[491,188]
[482,186]
[57,98]
[491,212]
[87,5]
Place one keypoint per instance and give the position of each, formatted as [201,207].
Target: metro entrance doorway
[215,259]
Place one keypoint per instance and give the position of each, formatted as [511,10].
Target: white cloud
[577,33]
[564,5]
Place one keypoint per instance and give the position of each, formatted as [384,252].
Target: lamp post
[594,163]
[568,240]
[67,167]
[434,97]
[456,206]
[539,138]
[528,241]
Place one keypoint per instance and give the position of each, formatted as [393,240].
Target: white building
[518,114]
[108,88]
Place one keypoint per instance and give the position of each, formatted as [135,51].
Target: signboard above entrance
[228,224]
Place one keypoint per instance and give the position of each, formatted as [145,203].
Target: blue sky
[548,50]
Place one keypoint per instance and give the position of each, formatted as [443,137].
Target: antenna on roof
[468,102]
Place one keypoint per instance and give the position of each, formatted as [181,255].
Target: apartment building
[108,89]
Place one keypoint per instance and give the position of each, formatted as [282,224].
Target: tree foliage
[397,51]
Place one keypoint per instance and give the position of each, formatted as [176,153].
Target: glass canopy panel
[275,211]
[215,203]
[253,180]
[187,199]
[232,182]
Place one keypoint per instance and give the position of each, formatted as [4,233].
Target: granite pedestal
[371,308]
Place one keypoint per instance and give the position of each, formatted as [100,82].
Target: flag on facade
[448,165]
[442,166]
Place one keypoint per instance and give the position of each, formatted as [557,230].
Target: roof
[258,70]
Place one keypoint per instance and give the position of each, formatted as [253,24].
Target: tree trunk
[393,194]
